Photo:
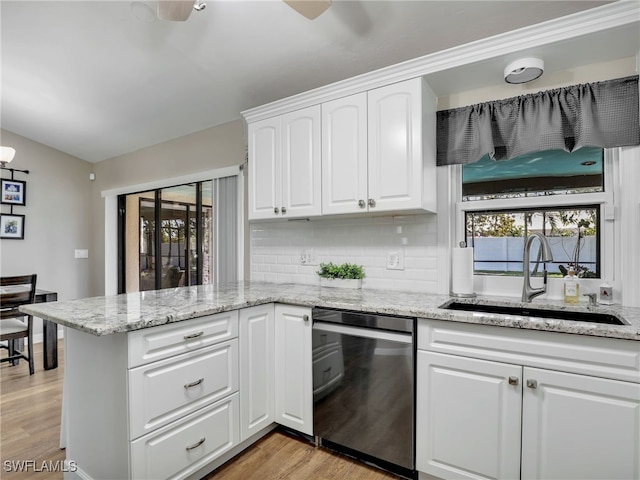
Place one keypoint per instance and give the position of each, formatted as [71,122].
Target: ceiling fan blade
[175,10]
[309,8]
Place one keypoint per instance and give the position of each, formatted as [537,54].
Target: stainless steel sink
[593,317]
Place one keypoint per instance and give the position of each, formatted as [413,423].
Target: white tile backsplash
[277,248]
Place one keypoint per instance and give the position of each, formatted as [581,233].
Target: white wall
[277,249]
[58,215]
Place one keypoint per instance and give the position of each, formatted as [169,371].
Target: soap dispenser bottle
[606,294]
[571,287]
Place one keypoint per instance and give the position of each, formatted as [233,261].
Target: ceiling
[91,79]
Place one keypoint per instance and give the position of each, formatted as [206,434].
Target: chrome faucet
[528,292]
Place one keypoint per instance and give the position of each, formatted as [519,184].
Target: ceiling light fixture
[523,70]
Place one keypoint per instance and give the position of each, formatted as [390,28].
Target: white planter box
[341,282]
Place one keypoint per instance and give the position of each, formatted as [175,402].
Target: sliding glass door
[167,237]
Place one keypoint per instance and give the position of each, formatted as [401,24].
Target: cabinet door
[256,369]
[265,175]
[294,376]
[395,146]
[344,155]
[301,195]
[468,417]
[579,427]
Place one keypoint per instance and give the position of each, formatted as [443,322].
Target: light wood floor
[30,420]
[30,431]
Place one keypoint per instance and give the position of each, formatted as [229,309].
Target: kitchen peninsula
[173,383]
[128,312]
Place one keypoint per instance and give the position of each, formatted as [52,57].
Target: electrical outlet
[81,253]
[308,257]
[395,260]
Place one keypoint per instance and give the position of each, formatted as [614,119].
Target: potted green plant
[347,275]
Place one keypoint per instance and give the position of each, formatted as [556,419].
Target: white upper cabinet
[369,152]
[344,155]
[401,147]
[378,150]
[264,168]
[301,163]
[284,165]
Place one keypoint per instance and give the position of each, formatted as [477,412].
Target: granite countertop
[127,312]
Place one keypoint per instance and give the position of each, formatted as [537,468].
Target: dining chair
[16,291]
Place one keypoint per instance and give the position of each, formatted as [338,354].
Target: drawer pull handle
[305,318]
[514,380]
[193,335]
[193,384]
[327,370]
[196,445]
[532,384]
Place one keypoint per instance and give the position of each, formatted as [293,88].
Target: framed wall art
[12,226]
[13,192]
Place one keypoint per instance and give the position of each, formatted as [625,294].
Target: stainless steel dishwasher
[364,387]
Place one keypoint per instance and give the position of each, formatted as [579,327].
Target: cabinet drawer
[596,356]
[164,391]
[183,447]
[156,343]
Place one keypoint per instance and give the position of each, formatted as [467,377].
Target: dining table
[49,332]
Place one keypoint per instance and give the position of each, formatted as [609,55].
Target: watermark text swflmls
[36,466]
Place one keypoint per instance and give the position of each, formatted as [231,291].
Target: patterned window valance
[602,114]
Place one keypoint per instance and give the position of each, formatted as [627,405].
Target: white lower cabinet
[256,369]
[579,427]
[183,447]
[481,418]
[176,401]
[468,417]
[184,410]
[293,374]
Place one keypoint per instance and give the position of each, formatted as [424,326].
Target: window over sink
[562,195]
[498,239]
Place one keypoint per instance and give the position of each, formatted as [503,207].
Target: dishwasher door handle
[399,337]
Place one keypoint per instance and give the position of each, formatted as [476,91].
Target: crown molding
[606,17]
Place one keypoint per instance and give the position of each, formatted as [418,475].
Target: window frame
[496,284]
[552,267]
